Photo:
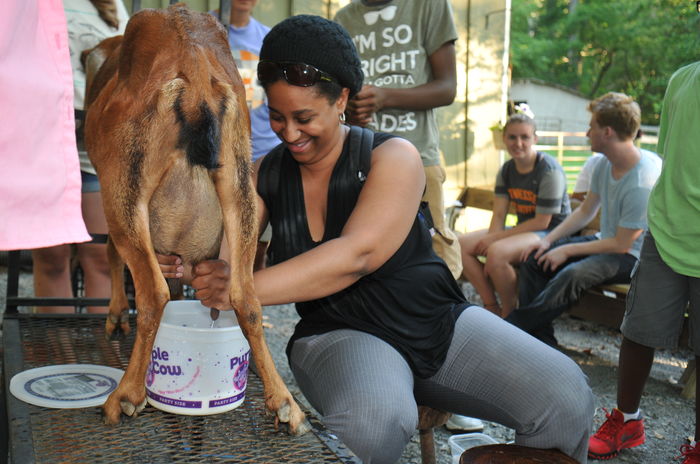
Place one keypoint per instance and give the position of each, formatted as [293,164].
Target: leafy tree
[596,46]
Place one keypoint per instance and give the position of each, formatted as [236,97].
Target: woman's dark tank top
[410,302]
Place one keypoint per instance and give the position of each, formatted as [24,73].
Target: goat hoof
[302,428]
[286,427]
[130,410]
[284,413]
[115,332]
[292,420]
[141,406]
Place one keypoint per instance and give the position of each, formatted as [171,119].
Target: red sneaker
[615,434]
[690,454]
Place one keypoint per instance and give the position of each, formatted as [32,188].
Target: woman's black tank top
[410,302]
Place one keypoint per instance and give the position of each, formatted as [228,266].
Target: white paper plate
[66,386]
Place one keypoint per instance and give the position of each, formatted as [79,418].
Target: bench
[483,197]
[604,304]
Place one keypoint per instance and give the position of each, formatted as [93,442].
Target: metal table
[43,435]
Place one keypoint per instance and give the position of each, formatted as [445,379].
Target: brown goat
[168,132]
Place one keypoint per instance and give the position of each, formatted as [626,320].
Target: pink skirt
[39,167]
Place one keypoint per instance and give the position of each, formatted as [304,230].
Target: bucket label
[225,401]
[239,366]
[70,386]
[197,380]
[160,365]
[174,401]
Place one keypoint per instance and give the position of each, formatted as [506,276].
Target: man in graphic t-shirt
[408,58]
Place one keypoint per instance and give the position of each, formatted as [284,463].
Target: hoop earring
[341,118]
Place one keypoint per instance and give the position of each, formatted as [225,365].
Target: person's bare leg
[93,257]
[505,281]
[634,367]
[473,270]
[52,276]
[502,256]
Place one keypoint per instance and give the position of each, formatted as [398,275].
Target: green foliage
[597,46]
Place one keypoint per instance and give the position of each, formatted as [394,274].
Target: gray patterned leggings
[366,393]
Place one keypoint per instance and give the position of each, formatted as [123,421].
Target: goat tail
[198,124]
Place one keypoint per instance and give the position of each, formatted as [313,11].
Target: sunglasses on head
[300,74]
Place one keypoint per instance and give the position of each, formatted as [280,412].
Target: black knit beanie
[316,41]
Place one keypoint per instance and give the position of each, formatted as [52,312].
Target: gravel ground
[669,417]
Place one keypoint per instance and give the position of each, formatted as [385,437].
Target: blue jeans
[544,295]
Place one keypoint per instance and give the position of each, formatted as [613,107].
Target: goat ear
[93,60]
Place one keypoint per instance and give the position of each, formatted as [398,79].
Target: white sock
[629,417]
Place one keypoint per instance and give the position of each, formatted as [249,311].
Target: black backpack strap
[366,145]
[360,151]
[269,174]
[425,217]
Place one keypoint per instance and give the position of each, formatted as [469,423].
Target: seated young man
[561,266]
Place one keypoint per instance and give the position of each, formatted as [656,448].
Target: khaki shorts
[657,301]
[445,241]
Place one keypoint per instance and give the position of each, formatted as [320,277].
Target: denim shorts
[90,182]
[540,233]
[657,302]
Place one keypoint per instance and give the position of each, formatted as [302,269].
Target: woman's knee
[52,261]
[571,399]
[565,416]
[93,258]
[376,433]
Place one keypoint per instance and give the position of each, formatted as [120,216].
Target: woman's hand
[171,266]
[211,282]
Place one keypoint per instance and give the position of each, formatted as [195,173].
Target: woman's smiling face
[305,120]
[519,139]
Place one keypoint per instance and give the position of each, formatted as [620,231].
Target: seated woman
[535,183]
[384,326]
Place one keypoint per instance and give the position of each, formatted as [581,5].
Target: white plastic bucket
[196,368]
[460,443]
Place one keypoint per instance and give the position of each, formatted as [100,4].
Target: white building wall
[556,108]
